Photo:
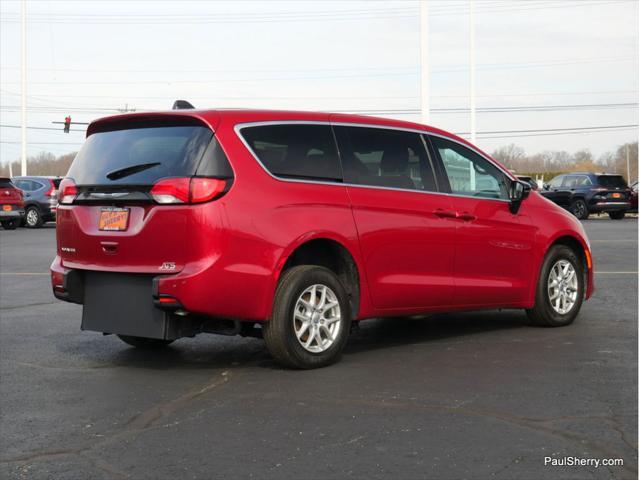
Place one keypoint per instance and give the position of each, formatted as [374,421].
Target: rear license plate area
[7,208]
[113,219]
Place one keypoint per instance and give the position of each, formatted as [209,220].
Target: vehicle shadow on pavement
[390,332]
[211,351]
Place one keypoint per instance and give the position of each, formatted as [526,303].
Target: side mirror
[546,186]
[518,192]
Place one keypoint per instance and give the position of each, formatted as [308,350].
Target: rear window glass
[295,151]
[611,181]
[140,156]
[5,183]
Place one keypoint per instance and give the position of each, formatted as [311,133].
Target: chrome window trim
[238,131]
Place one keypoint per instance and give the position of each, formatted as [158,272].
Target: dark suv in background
[586,193]
[40,199]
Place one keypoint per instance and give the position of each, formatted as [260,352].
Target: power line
[407,111]
[42,143]
[550,130]
[296,16]
[42,128]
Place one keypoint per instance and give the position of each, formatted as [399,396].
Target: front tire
[560,289]
[145,343]
[11,224]
[617,215]
[311,318]
[579,209]
[33,218]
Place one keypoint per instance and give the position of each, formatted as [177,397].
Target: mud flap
[123,304]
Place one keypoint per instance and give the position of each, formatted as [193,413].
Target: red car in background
[294,225]
[634,189]
[11,204]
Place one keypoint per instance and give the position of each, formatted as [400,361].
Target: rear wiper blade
[126,171]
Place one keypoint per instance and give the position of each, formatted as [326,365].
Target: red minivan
[293,225]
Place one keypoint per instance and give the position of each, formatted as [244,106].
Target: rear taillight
[52,192]
[187,190]
[68,191]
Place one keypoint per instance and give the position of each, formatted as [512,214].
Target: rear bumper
[596,207]
[11,214]
[121,303]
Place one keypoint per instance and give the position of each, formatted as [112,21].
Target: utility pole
[628,163]
[471,67]
[473,106]
[423,62]
[24,89]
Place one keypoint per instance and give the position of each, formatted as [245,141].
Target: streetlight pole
[423,62]
[24,89]
[473,106]
[471,93]
[628,162]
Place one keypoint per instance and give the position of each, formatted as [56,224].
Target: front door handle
[466,217]
[441,213]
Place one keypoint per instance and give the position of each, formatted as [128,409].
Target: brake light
[68,191]
[171,190]
[205,189]
[52,191]
[187,190]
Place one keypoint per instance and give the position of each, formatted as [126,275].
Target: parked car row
[29,201]
[583,193]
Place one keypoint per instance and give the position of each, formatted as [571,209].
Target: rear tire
[617,215]
[546,313]
[311,318]
[145,343]
[579,209]
[11,224]
[33,218]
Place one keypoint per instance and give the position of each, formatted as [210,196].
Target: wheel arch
[581,248]
[329,252]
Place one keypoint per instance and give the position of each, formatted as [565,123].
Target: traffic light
[67,123]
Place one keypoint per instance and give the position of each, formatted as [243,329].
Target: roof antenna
[181,105]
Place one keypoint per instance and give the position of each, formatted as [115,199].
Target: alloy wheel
[317,318]
[562,286]
[32,217]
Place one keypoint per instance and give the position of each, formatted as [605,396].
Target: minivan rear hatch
[111,217]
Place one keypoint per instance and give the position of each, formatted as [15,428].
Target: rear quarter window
[295,151]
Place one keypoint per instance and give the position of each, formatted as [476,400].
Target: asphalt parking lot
[473,395]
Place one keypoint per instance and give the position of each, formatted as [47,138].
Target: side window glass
[384,158]
[295,151]
[570,181]
[26,185]
[469,173]
[583,181]
[556,182]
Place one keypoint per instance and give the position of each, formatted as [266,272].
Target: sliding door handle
[441,213]
[466,217]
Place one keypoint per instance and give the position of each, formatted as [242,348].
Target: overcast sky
[90,58]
